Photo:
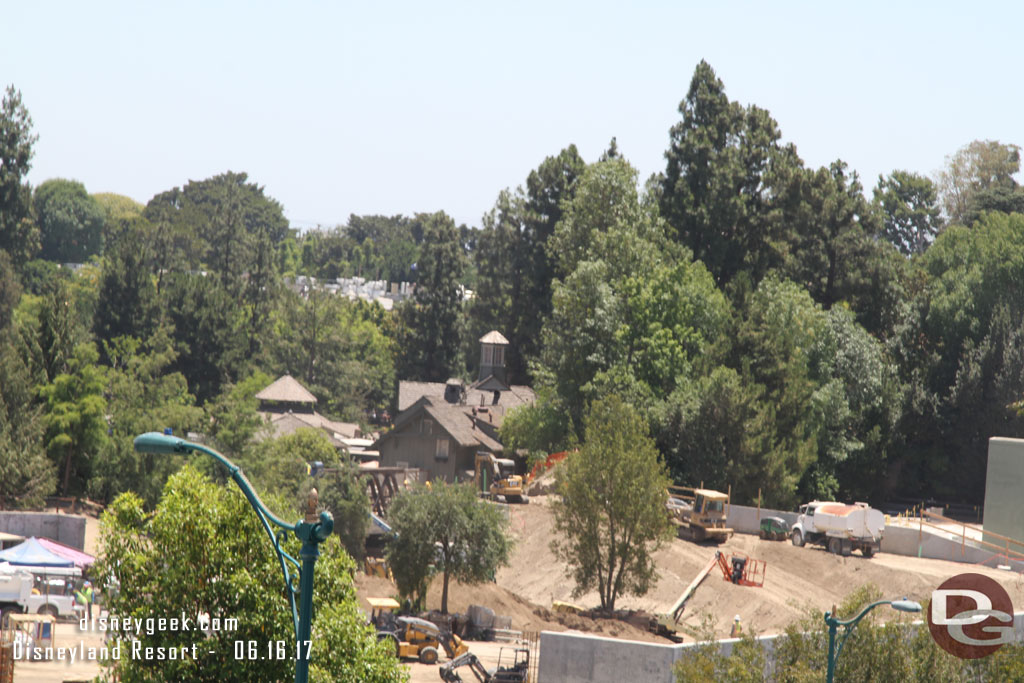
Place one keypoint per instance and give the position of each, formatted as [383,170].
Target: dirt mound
[797,580]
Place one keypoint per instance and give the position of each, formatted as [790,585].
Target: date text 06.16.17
[252,650]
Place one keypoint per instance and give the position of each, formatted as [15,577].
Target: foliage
[431,325]
[444,528]
[539,428]
[142,396]
[911,211]
[343,492]
[26,474]
[75,418]
[234,416]
[724,169]
[203,551]
[891,652]
[335,348]
[19,237]
[208,333]
[70,221]
[278,467]
[128,303]
[976,167]
[612,509]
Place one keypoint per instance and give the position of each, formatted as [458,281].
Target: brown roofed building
[287,406]
[442,425]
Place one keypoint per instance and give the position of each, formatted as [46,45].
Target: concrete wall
[576,658]
[66,529]
[1004,481]
[747,520]
[579,658]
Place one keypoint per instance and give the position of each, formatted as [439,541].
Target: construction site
[777,585]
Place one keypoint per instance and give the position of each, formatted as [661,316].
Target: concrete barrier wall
[66,529]
[747,520]
[579,658]
[576,658]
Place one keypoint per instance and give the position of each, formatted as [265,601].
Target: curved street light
[313,530]
[903,605]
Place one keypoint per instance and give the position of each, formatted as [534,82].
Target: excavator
[516,672]
[413,637]
[496,477]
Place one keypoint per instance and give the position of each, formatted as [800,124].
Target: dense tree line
[777,328]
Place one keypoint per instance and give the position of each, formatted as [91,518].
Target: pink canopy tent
[81,560]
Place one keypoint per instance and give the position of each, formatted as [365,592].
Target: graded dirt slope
[796,580]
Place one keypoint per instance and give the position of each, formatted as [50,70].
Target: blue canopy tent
[32,553]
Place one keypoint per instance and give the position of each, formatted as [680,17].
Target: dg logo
[971,616]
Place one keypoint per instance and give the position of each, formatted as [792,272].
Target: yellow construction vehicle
[699,514]
[496,477]
[412,637]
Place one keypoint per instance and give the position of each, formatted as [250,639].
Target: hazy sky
[398,107]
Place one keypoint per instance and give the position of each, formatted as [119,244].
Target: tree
[207,333]
[724,168]
[449,527]
[204,551]
[142,396]
[980,165]
[75,418]
[612,509]
[18,235]
[334,347]
[832,222]
[431,331]
[70,221]
[128,303]
[343,492]
[26,474]
[911,215]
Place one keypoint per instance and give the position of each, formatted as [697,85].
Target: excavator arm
[449,675]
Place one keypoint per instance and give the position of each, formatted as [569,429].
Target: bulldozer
[496,478]
[518,671]
[699,514]
[412,637]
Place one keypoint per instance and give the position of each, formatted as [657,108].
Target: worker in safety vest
[737,628]
[84,596]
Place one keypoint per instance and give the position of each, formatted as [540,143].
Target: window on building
[441,452]
[427,427]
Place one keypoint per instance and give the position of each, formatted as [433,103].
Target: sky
[340,108]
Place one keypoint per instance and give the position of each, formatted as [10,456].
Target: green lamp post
[312,530]
[903,605]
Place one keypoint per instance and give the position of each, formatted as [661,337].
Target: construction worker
[84,597]
[737,628]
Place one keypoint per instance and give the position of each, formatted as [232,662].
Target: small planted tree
[444,528]
[612,513]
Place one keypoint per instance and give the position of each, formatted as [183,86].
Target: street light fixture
[903,605]
[313,530]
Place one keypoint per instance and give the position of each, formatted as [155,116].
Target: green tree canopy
[447,528]
[910,207]
[203,551]
[612,514]
[70,221]
[431,325]
[19,237]
[975,167]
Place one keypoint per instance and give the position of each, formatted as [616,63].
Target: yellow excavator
[497,478]
[515,669]
[412,637]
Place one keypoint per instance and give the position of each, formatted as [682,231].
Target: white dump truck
[839,527]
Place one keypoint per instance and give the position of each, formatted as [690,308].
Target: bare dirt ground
[796,579]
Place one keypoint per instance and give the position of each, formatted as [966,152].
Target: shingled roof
[286,390]
[458,421]
[410,392]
